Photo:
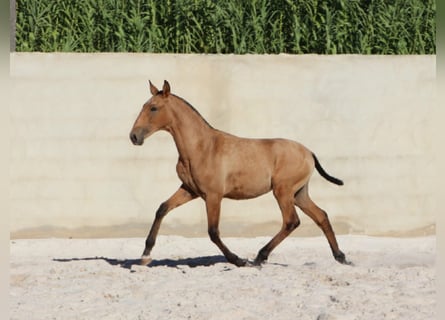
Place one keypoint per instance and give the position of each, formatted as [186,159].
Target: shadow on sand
[128,263]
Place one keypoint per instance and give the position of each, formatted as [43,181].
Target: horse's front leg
[181,196]
[213,206]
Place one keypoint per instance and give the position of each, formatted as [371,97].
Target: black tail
[324,174]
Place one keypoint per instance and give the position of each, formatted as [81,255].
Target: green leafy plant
[228,26]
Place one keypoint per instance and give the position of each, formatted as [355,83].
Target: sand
[392,278]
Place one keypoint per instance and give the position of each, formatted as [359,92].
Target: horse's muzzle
[137,137]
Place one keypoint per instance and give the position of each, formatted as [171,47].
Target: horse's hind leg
[290,222]
[181,196]
[320,217]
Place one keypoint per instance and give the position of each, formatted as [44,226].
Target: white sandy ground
[392,278]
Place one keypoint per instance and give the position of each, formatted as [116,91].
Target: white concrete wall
[368,118]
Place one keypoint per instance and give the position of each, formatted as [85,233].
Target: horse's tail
[324,174]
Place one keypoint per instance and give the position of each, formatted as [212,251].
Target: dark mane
[191,107]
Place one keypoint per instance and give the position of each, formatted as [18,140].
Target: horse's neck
[190,132]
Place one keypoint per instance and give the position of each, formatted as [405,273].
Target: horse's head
[155,115]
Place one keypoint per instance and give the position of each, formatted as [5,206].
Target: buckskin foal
[214,165]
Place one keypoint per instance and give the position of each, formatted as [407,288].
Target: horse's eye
[153,109]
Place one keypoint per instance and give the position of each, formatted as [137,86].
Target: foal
[214,165]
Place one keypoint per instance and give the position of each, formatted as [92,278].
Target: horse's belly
[241,194]
[241,186]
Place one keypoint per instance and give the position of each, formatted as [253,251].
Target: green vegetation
[228,26]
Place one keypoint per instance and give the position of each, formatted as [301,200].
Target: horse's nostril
[133,138]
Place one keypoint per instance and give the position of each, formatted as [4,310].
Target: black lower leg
[151,238]
[230,256]
[287,228]
[262,256]
[326,227]
[340,256]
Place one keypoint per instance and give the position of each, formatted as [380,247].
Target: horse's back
[268,152]
[253,166]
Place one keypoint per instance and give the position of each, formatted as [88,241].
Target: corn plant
[228,26]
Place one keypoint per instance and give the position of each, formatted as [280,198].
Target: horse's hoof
[239,262]
[341,258]
[253,264]
[259,261]
[145,260]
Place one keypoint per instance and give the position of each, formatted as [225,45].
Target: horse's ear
[166,88]
[154,91]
